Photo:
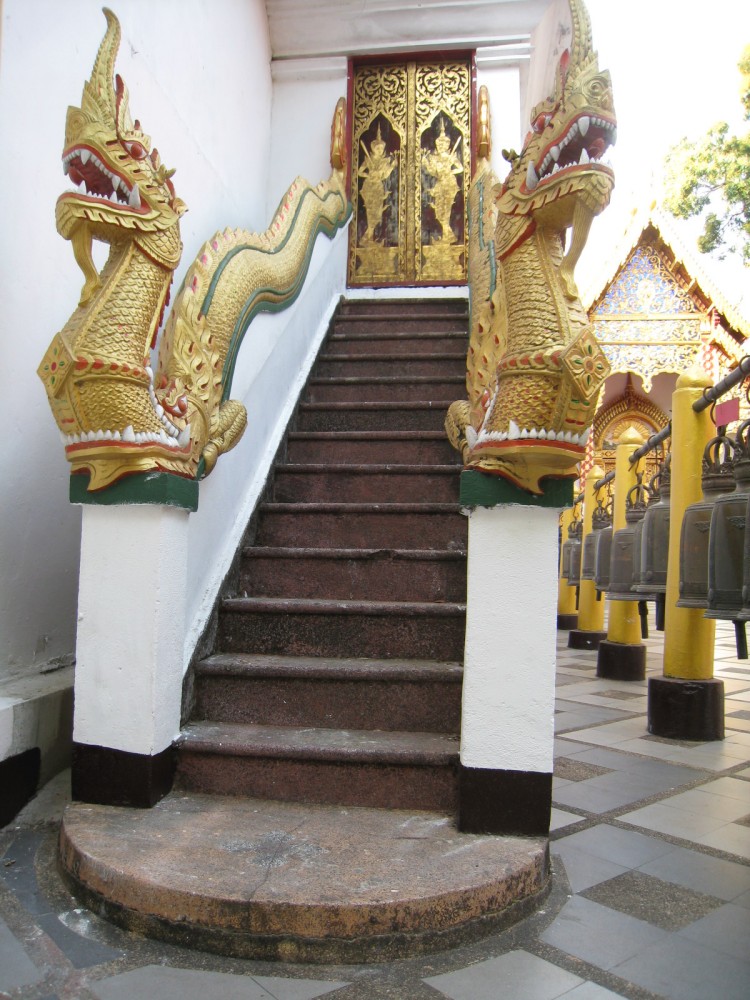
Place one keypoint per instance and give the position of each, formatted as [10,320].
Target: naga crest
[561,179]
[534,368]
[126,191]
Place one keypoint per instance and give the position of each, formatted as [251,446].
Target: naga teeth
[134,200]
[85,156]
[555,152]
[531,177]
[583,124]
[584,158]
[127,436]
[514,433]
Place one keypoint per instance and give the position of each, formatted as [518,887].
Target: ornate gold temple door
[410,173]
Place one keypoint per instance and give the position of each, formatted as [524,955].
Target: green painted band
[162,488]
[478,489]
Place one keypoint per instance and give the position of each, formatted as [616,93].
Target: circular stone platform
[295,882]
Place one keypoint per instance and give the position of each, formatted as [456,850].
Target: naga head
[122,188]
[560,176]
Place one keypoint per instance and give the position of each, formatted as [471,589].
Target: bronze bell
[575,531]
[600,519]
[602,559]
[726,545]
[744,614]
[623,556]
[717,478]
[565,566]
[652,555]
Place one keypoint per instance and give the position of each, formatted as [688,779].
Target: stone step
[371,447]
[267,880]
[342,365]
[391,770]
[413,344]
[353,574]
[334,693]
[363,416]
[366,483]
[316,627]
[379,309]
[366,525]
[437,323]
[393,388]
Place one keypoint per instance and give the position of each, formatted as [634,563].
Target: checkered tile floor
[650,896]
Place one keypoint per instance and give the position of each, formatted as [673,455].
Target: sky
[674,73]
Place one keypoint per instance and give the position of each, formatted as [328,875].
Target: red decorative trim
[528,231]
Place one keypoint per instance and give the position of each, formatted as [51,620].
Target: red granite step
[353,574]
[333,766]
[366,525]
[418,308]
[343,365]
[399,387]
[415,344]
[308,627]
[332,693]
[371,447]
[407,319]
[437,323]
[366,483]
[354,416]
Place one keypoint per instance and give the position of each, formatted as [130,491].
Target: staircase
[337,684]
[338,679]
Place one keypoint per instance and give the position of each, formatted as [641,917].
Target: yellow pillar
[590,631]
[622,655]
[688,636]
[567,617]
[687,703]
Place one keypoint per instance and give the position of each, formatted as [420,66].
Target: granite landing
[294,882]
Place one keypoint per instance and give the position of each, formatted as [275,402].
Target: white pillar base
[131,624]
[507,721]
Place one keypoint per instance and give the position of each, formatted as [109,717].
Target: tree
[713,174]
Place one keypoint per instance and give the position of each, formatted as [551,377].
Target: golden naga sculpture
[116,416]
[534,368]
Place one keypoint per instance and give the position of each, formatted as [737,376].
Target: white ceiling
[307,28]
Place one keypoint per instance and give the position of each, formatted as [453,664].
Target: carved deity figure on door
[375,170]
[443,165]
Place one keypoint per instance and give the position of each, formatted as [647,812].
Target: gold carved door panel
[411,169]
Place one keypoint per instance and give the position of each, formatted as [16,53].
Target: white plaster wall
[507,718]
[199,80]
[305,92]
[503,82]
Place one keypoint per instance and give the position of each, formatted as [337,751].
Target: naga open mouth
[586,141]
[169,435]
[83,166]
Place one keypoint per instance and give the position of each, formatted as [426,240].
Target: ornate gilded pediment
[648,322]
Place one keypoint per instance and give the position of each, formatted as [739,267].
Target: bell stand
[687,702]
[709,400]
[590,628]
[622,656]
[567,615]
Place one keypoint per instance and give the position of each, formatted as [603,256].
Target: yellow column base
[624,622]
